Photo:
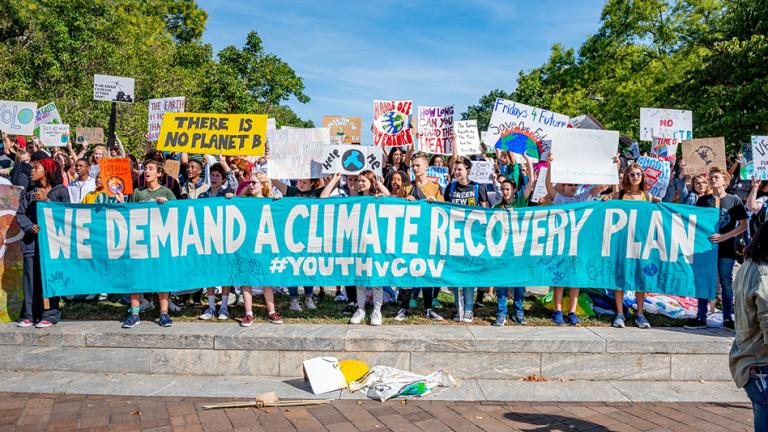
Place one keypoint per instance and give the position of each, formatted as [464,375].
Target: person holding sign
[258,187]
[367,185]
[36,310]
[510,201]
[153,191]
[733,221]
[466,192]
[568,195]
[421,188]
[633,187]
[699,186]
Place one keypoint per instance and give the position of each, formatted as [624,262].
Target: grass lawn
[330,312]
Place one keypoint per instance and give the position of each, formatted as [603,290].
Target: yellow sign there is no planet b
[228,134]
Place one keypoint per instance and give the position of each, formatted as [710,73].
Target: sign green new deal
[140,247]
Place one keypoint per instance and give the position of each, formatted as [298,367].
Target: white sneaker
[310,304]
[208,314]
[401,315]
[223,314]
[358,317]
[295,306]
[341,298]
[469,316]
[376,318]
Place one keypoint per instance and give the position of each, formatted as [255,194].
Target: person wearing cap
[35,310]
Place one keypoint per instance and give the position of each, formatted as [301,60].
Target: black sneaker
[695,324]
[729,324]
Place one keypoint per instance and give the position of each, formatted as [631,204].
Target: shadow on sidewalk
[552,422]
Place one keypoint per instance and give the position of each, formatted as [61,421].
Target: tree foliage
[707,56]
[52,48]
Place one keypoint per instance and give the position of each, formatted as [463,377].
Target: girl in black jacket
[35,310]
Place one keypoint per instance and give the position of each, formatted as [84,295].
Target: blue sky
[432,52]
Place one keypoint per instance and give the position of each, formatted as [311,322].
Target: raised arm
[282,187]
[551,192]
[381,187]
[752,203]
[331,186]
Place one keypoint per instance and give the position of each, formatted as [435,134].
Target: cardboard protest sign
[343,130]
[702,154]
[482,172]
[297,153]
[157,109]
[206,133]
[54,135]
[17,118]
[665,123]
[467,139]
[520,128]
[760,157]
[584,156]
[665,148]
[634,148]
[115,174]
[352,159]
[657,175]
[92,135]
[540,190]
[392,123]
[172,168]
[113,88]
[435,130]
[746,165]
[46,114]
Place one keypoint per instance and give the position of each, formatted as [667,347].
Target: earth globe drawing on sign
[65,137]
[518,141]
[25,115]
[706,154]
[353,160]
[115,184]
[392,122]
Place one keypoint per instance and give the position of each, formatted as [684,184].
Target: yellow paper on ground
[228,134]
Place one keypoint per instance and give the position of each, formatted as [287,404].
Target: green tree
[52,48]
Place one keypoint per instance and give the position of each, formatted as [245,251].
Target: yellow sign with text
[227,134]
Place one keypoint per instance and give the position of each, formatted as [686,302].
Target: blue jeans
[468,295]
[725,275]
[517,305]
[294,292]
[759,400]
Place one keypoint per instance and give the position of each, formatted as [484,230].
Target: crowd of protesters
[64,175]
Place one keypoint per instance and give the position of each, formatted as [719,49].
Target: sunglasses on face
[635,174]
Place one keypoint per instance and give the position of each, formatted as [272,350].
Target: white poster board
[760,157]
[467,139]
[297,153]
[157,109]
[47,114]
[540,190]
[584,156]
[113,88]
[520,128]
[17,118]
[352,159]
[435,130]
[665,123]
[482,172]
[54,135]
[324,374]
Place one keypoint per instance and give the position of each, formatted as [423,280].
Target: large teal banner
[146,247]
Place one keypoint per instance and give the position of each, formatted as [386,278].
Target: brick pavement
[23,412]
